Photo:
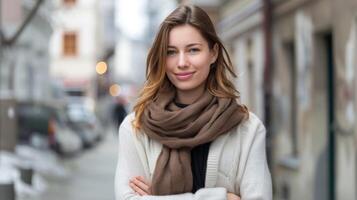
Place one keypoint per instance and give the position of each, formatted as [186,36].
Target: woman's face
[188,59]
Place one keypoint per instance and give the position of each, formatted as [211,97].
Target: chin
[184,87]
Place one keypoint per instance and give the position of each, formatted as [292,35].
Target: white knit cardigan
[236,163]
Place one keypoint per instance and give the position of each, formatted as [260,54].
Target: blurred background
[70,70]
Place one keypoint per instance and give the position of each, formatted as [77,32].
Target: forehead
[185,34]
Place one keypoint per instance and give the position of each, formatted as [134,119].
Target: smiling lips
[184,75]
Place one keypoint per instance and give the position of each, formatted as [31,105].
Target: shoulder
[252,125]
[248,131]
[126,124]
[126,130]
[254,121]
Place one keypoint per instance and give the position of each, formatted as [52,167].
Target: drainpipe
[267,27]
[1,67]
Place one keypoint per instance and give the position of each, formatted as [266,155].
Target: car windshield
[80,114]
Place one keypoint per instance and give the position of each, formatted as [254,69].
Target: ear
[214,53]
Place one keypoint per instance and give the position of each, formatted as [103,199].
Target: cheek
[206,72]
[203,61]
[169,65]
[204,66]
[168,71]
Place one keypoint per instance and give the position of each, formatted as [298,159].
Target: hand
[231,196]
[140,185]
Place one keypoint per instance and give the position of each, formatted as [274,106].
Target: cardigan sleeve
[256,182]
[129,165]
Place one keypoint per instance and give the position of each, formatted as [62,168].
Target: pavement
[91,174]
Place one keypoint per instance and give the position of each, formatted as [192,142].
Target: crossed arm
[131,181]
[141,187]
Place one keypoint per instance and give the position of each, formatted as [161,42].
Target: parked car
[84,121]
[62,138]
[32,120]
[82,128]
[44,126]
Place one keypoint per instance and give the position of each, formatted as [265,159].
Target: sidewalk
[91,175]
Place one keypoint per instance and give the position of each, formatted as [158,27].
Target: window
[251,77]
[69,2]
[70,44]
[290,53]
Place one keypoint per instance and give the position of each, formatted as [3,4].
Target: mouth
[184,75]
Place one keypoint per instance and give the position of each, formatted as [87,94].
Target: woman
[189,138]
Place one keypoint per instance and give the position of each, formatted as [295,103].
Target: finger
[140,184]
[142,179]
[147,184]
[232,196]
[137,189]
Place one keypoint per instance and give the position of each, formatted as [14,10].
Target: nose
[182,61]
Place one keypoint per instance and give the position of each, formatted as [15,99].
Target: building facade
[75,46]
[314,85]
[24,62]
[241,30]
[312,135]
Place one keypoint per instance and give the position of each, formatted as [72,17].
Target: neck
[188,97]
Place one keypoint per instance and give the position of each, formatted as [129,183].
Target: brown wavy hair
[218,82]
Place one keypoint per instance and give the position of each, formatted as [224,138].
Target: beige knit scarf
[181,129]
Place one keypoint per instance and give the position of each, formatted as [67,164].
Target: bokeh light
[101,67]
[114,90]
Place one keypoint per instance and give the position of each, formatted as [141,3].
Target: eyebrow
[189,45]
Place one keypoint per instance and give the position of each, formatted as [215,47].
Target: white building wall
[30,59]
[82,19]
[259,75]
[241,69]
[241,30]
[242,82]
[123,62]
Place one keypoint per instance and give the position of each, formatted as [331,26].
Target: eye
[170,52]
[194,50]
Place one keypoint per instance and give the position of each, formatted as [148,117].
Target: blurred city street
[91,175]
[71,70]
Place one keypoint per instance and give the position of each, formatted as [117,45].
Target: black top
[199,156]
